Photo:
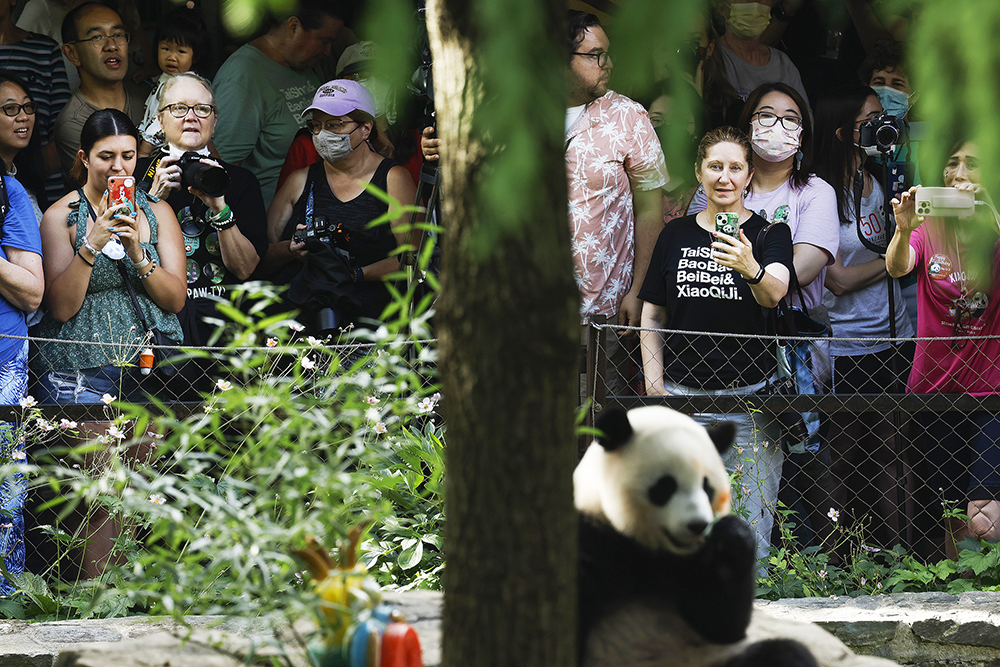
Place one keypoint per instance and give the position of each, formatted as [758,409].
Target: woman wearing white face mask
[749,63]
[333,191]
[783,189]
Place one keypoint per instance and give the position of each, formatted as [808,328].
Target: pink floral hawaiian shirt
[611,150]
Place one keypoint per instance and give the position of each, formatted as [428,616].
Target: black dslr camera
[321,230]
[209,178]
[882,132]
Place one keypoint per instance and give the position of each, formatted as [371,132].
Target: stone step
[925,629]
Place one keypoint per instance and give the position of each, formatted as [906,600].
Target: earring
[798,160]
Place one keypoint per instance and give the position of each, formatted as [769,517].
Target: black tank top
[365,245]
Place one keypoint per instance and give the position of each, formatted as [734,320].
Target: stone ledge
[921,629]
[925,629]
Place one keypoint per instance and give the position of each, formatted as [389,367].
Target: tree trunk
[508,326]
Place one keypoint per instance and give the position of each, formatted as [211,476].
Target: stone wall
[922,629]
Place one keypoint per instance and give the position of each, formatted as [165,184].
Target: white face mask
[333,147]
[774,143]
[749,20]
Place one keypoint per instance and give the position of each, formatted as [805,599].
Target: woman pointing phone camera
[958,341]
[218,205]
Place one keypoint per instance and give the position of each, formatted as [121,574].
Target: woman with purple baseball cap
[320,242]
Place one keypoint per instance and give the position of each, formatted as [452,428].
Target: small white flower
[65,423]
[45,425]
[28,402]
[115,432]
[271,342]
[372,400]
[834,515]
[308,363]
[373,415]
[436,397]
[19,455]
[863,581]
[822,573]
[425,405]
[108,399]
[380,428]
[296,327]
[878,586]
[153,434]
[223,385]
[313,341]
[157,499]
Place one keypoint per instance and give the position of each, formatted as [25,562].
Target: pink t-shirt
[611,150]
[975,368]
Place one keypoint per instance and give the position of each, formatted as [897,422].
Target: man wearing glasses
[615,215]
[95,42]
[615,169]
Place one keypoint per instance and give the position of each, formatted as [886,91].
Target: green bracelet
[223,215]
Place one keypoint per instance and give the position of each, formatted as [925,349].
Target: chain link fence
[183,382]
[857,450]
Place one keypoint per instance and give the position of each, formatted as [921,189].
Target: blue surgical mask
[894,102]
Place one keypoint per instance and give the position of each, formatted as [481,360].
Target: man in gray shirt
[95,42]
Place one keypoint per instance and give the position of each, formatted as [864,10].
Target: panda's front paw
[732,547]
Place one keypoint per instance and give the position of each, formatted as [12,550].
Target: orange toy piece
[401,647]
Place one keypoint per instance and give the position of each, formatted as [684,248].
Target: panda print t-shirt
[701,295]
[946,292]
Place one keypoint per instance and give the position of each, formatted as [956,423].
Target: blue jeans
[756,456]
[13,489]
[87,385]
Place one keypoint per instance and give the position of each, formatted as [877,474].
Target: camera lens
[886,135]
[210,179]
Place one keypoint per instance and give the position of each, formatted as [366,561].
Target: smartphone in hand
[121,191]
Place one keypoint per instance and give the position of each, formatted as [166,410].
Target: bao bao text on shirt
[298,98]
[693,274]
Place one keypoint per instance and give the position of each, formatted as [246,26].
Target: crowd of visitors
[258,171]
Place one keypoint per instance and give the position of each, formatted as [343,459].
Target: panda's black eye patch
[661,492]
[709,491]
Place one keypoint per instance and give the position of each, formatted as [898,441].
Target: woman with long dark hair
[87,300]
[863,448]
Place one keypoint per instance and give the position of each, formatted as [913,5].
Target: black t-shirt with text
[701,295]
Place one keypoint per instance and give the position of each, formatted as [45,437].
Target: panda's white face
[663,488]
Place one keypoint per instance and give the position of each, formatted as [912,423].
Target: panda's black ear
[723,435]
[615,428]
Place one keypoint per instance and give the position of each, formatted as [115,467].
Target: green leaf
[411,557]
[11,609]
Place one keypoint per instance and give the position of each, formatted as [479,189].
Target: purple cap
[340,97]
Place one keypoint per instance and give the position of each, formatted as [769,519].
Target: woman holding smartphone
[958,296]
[87,299]
[85,295]
[703,280]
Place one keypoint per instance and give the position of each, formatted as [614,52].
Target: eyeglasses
[179,110]
[768,119]
[963,313]
[98,40]
[335,126]
[13,108]
[603,57]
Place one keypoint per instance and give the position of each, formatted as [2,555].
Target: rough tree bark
[508,327]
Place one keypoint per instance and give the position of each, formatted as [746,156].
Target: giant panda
[666,575]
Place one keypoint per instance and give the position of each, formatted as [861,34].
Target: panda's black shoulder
[614,569]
